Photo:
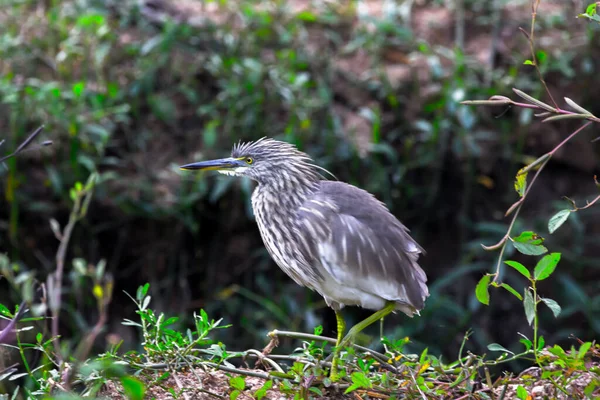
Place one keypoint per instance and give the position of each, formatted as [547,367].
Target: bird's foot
[334,374]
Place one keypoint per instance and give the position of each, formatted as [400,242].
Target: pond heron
[329,236]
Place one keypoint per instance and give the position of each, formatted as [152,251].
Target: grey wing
[362,245]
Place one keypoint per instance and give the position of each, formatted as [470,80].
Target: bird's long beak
[215,165]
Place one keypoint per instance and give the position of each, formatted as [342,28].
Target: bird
[329,236]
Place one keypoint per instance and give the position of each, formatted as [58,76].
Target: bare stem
[58,277]
[516,214]
[534,7]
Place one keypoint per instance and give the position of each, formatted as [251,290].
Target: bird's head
[265,161]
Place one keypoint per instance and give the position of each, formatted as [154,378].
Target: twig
[534,7]
[179,385]
[516,207]
[26,143]
[55,282]
[261,357]
[81,203]
[308,336]
[417,385]
[588,204]
[200,389]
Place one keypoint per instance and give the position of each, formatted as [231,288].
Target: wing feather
[362,245]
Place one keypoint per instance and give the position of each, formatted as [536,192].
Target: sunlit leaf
[262,392]
[481,291]
[546,266]
[359,380]
[512,290]
[591,9]
[237,382]
[306,16]
[519,267]
[521,182]
[133,387]
[584,349]
[529,237]
[527,343]
[522,393]
[541,56]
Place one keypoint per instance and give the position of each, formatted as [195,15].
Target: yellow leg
[341,327]
[356,329]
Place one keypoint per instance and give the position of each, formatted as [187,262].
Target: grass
[109,81]
[179,363]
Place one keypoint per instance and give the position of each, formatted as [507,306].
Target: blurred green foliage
[132,89]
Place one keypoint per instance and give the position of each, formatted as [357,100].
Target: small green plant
[530,298]
[591,12]
[162,344]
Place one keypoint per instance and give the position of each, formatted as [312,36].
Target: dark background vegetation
[134,89]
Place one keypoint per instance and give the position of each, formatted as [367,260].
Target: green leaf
[351,388]
[558,219]
[360,379]
[585,347]
[528,62]
[498,347]
[541,56]
[423,356]
[541,343]
[546,266]
[529,305]
[529,243]
[234,395]
[530,249]
[237,382]
[262,392]
[590,389]
[4,310]
[526,342]
[519,267]
[142,291]
[529,237]
[512,290]
[553,306]
[557,351]
[521,393]
[78,88]
[591,9]
[521,182]
[306,16]
[318,330]
[133,387]
[481,291]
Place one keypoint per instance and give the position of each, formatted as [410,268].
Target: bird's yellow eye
[249,160]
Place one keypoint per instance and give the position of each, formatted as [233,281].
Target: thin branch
[26,143]
[531,38]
